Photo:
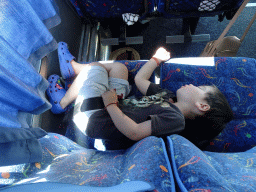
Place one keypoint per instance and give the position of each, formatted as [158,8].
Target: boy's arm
[142,77]
[127,126]
[123,123]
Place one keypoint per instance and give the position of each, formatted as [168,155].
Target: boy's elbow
[132,135]
[136,135]
[134,138]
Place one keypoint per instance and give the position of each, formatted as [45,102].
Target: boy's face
[192,94]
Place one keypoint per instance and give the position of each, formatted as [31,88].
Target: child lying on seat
[158,113]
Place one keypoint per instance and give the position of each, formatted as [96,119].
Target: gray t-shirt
[166,118]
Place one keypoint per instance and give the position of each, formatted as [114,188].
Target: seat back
[236,79]
[112,8]
[196,170]
[65,162]
[196,8]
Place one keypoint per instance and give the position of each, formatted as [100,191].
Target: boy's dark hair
[204,128]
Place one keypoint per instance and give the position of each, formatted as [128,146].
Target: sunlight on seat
[251,5]
[7,181]
[6,168]
[81,78]
[81,121]
[29,180]
[46,170]
[60,156]
[157,80]
[99,145]
[201,61]
[41,180]
[6,172]
[106,62]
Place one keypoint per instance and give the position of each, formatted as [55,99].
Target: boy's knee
[119,70]
[121,67]
[97,64]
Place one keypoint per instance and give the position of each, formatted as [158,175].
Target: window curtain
[24,40]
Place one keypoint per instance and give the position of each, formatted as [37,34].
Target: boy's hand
[162,54]
[109,97]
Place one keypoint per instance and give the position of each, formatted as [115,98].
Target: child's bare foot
[77,67]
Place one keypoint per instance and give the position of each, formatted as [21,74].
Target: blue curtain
[24,40]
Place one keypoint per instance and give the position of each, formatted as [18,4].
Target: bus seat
[191,11]
[236,79]
[66,162]
[103,10]
[73,132]
[131,186]
[196,170]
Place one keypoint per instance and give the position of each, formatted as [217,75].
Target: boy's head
[203,101]
[192,100]
[220,110]
[209,112]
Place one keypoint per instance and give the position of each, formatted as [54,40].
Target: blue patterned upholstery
[177,8]
[195,170]
[189,8]
[236,79]
[132,186]
[66,162]
[110,8]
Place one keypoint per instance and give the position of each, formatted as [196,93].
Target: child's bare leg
[77,67]
[115,70]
